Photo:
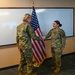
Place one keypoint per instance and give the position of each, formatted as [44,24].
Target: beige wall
[9,55]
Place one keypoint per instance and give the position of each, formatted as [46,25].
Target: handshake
[43,37]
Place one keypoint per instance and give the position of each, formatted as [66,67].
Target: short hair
[26,16]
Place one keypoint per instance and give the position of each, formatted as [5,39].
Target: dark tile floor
[68,67]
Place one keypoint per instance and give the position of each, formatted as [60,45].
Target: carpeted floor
[68,67]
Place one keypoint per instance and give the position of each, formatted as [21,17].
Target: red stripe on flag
[40,49]
[38,33]
[43,53]
[35,53]
[36,49]
[43,48]
[37,57]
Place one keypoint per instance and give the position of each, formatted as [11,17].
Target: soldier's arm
[63,36]
[32,33]
[48,34]
[17,39]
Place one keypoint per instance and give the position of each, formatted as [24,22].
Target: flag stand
[35,63]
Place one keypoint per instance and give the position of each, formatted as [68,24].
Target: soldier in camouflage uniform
[24,35]
[57,44]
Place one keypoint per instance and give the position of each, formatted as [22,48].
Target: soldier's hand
[43,37]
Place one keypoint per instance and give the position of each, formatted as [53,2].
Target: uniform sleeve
[32,33]
[17,37]
[48,34]
[63,36]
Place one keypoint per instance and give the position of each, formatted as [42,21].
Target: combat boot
[57,70]
[30,74]
[33,74]
[53,68]
[20,73]
[25,74]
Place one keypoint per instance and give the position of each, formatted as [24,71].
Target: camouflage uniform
[24,35]
[57,43]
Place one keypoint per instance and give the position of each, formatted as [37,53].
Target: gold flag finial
[33,3]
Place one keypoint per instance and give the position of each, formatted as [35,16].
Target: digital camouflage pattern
[58,41]
[24,35]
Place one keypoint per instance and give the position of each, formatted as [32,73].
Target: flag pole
[37,60]
[34,61]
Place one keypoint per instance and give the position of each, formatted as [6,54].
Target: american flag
[38,47]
